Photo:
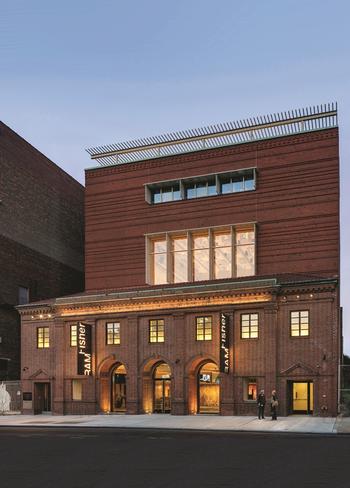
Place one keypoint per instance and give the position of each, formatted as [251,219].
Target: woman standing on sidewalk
[274,405]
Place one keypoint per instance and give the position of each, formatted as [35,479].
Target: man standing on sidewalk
[261,404]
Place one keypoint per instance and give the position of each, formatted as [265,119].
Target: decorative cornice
[127,306]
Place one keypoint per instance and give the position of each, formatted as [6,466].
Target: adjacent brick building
[41,237]
[212,271]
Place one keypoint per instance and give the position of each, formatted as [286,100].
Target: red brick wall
[41,234]
[295,205]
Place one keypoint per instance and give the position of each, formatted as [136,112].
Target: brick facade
[295,208]
[41,236]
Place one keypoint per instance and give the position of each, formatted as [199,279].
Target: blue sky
[81,73]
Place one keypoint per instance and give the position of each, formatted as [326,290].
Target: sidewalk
[292,424]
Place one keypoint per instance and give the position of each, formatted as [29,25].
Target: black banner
[84,350]
[224,344]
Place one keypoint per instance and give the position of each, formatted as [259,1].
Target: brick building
[41,237]
[212,271]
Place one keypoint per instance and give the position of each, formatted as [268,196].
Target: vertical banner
[224,344]
[84,349]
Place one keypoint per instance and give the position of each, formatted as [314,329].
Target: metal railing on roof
[225,134]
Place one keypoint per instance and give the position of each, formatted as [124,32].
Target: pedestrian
[261,404]
[274,405]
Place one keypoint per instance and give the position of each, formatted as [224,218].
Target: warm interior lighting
[182,303]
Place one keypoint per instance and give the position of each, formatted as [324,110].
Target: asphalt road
[89,458]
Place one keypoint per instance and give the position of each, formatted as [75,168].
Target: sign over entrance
[84,349]
[224,344]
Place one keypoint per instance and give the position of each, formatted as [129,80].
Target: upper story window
[200,255]
[73,335]
[299,323]
[43,337]
[249,326]
[156,330]
[203,328]
[201,186]
[236,183]
[113,333]
[166,193]
[23,295]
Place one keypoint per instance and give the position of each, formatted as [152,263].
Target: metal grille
[225,134]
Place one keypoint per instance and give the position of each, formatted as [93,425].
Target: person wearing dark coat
[261,401]
[274,405]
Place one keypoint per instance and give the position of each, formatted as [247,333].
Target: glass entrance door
[162,389]
[208,389]
[303,397]
[119,390]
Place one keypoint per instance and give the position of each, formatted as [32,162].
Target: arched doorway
[118,389]
[161,388]
[208,388]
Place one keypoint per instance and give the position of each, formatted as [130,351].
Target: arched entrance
[161,388]
[208,381]
[118,389]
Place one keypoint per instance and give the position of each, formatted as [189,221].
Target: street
[89,458]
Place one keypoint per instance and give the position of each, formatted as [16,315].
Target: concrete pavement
[293,423]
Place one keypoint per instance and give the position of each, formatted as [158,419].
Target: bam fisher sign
[84,349]
[224,344]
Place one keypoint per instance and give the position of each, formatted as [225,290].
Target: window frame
[20,296]
[204,317]
[114,335]
[45,341]
[73,336]
[299,335]
[183,184]
[236,249]
[157,333]
[80,382]
[247,380]
[250,326]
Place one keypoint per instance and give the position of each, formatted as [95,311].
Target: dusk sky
[81,73]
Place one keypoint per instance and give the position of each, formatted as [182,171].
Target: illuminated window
[77,390]
[113,333]
[299,323]
[201,255]
[43,337]
[180,259]
[222,255]
[250,389]
[245,252]
[203,328]
[73,335]
[249,326]
[156,330]
[159,261]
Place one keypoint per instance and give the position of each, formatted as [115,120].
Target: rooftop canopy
[225,134]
